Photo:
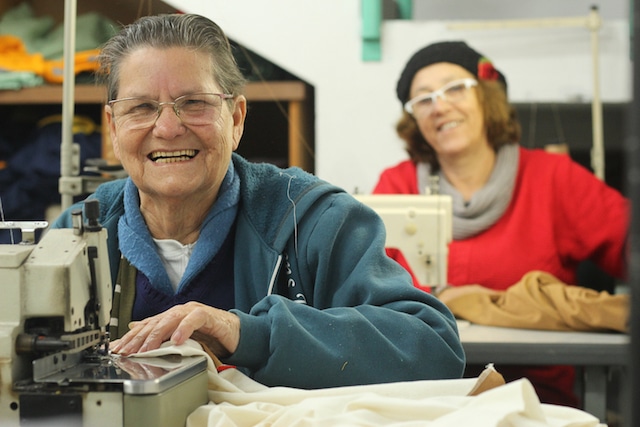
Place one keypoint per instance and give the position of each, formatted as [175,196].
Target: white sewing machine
[55,365]
[421,227]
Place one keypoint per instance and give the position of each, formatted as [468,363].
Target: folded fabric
[14,58]
[18,80]
[237,400]
[541,301]
[35,44]
[188,349]
[20,21]
[41,34]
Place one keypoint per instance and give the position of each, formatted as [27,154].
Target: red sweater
[560,214]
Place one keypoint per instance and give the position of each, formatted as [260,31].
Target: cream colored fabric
[238,401]
[541,301]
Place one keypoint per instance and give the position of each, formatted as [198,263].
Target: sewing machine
[55,365]
[421,227]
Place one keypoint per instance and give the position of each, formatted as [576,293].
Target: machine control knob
[92,213]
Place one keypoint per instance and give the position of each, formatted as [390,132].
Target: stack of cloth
[32,48]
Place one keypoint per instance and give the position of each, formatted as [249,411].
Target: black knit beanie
[455,52]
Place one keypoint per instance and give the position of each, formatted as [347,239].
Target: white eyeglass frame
[440,93]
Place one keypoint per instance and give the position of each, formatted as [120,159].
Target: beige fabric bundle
[238,401]
[541,301]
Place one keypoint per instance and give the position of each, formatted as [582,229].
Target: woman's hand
[217,329]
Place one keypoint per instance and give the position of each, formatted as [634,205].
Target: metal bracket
[28,229]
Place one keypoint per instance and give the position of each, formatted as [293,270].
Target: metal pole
[597,148]
[68,91]
[632,151]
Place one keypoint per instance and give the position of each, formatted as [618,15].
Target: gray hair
[166,31]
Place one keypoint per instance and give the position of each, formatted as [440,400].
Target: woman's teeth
[449,125]
[172,156]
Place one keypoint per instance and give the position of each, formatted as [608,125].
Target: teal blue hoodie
[320,304]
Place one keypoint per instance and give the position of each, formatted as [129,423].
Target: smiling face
[451,128]
[169,159]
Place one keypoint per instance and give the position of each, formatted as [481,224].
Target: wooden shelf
[52,94]
[92,94]
[276,91]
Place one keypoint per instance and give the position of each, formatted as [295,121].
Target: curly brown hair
[500,119]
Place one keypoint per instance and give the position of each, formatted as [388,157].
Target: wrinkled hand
[217,329]
[453,292]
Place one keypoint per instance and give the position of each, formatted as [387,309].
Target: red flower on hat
[486,71]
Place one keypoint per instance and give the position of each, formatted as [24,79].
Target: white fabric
[238,401]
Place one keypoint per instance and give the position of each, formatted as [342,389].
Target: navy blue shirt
[213,287]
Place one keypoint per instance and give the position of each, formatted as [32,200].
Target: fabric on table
[237,400]
[541,301]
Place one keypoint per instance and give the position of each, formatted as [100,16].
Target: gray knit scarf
[488,204]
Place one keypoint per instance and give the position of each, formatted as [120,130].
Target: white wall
[356,109]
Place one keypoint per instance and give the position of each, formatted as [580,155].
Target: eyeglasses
[454,91]
[194,109]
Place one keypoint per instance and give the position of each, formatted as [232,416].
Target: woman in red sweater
[514,209]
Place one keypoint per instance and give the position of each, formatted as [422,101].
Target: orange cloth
[541,301]
[83,61]
[15,57]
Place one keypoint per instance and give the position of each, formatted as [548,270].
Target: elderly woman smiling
[275,270]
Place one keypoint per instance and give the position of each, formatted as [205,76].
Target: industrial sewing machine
[420,226]
[55,365]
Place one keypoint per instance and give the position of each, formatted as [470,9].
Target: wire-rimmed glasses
[453,91]
[193,109]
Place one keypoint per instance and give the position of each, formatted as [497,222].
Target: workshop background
[323,75]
